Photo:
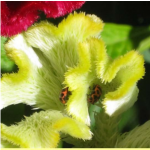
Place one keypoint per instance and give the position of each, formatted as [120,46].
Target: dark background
[131,13]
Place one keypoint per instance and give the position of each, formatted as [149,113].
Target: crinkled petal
[18,16]
[34,132]
[80,27]
[72,30]
[122,74]
[74,128]
[16,83]
[117,106]
[30,85]
[41,130]
[76,79]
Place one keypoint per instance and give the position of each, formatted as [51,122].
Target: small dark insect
[95,95]
[64,95]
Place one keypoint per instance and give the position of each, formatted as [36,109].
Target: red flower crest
[17,16]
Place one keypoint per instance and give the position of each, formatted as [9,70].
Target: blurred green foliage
[120,39]
[7,65]
[129,119]
[146,55]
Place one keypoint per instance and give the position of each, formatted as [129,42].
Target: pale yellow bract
[71,55]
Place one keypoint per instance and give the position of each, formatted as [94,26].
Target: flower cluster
[72,55]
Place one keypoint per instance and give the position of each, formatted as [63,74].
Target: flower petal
[121,75]
[15,83]
[117,106]
[18,16]
[118,77]
[80,26]
[74,128]
[31,84]
[72,30]
[41,130]
[76,79]
[34,132]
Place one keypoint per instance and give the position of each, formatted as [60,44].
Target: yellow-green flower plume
[42,130]
[120,77]
[46,52]
[21,86]
[117,78]
[70,55]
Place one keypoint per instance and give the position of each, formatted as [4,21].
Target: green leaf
[120,39]
[7,65]
[144,44]
[129,119]
[146,55]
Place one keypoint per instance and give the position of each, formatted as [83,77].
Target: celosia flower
[41,130]
[18,16]
[71,55]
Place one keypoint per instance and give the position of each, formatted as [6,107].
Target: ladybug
[95,95]
[64,95]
